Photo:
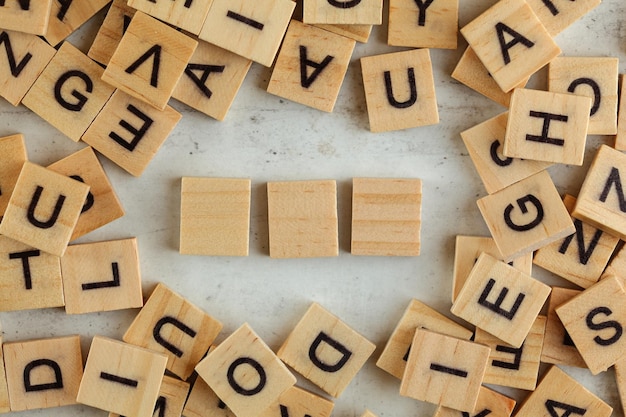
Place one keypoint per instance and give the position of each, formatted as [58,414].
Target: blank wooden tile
[253,30]
[593,77]
[43,373]
[211,80]
[558,347]
[336,352]
[130,374]
[423,24]
[186,15]
[245,373]
[101,276]
[484,144]
[5,406]
[66,17]
[299,402]
[364,12]
[31,17]
[215,216]
[12,158]
[489,403]
[302,218]
[510,314]
[171,399]
[130,132]
[416,316]
[102,205]
[511,42]
[203,402]
[149,60]
[360,33]
[26,60]
[620,138]
[43,209]
[399,90]
[444,370]
[579,258]
[526,216]
[111,31]
[560,394]
[171,325]
[557,15]
[386,216]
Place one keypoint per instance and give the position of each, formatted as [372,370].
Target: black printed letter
[15,68]
[89,201]
[78,106]
[206,71]
[235,385]
[547,118]
[155,52]
[568,409]
[115,282]
[493,151]
[245,20]
[344,4]
[28,282]
[24,4]
[524,209]
[614,178]
[65,5]
[324,338]
[517,358]
[422,6]
[53,217]
[505,46]
[583,253]
[610,324]
[138,133]
[305,79]
[58,378]
[156,333]
[597,96]
[389,89]
[496,307]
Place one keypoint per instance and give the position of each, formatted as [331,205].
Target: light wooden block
[399,90]
[12,158]
[620,380]
[101,276]
[111,31]
[129,374]
[516,367]
[421,24]
[211,80]
[43,209]
[171,325]
[617,264]
[557,15]
[558,394]
[29,278]
[66,17]
[510,314]
[5,406]
[149,60]
[171,399]
[130,132]
[186,15]
[511,42]
[593,77]
[484,144]
[30,17]
[299,402]
[69,88]
[360,33]
[594,319]
[245,373]
[526,216]
[444,370]
[311,66]
[43,373]
[579,258]
[102,205]
[253,30]
[386,216]
[489,403]
[620,138]
[359,12]
[203,402]
[26,57]
[558,347]
[302,218]
[325,350]
[416,316]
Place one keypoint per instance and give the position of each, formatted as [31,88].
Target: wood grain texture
[437,28]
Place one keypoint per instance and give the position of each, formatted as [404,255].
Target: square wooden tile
[67,16]
[392,82]
[489,403]
[43,373]
[511,42]
[5,405]
[386,216]
[101,276]
[253,30]
[510,314]
[325,350]
[416,316]
[526,216]
[43,209]
[360,12]
[149,60]
[12,158]
[30,17]
[171,325]
[203,402]
[171,399]
[620,138]
[186,15]
[557,15]
[302,218]
[245,373]
[215,216]
[130,132]
[423,24]
[360,33]
[300,402]
[111,31]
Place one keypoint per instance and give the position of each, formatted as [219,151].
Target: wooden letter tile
[69,89]
[203,402]
[43,373]
[43,209]
[620,138]
[417,316]
[171,325]
[171,399]
[386,216]
[67,16]
[149,60]
[399,90]
[111,31]
[500,300]
[130,132]
[557,15]
[311,66]
[419,24]
[365,12]
[184,14]
[101,276]
[253,30]
[360,33]
[12,158]
[325,350]
[5,405]
[215,216]
[299,402]
[489,403]
[30,17]
[129,374]
[511,42]
[617,264]
[245,373]
[444,370]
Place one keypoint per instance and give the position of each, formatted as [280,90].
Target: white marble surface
[266,138]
